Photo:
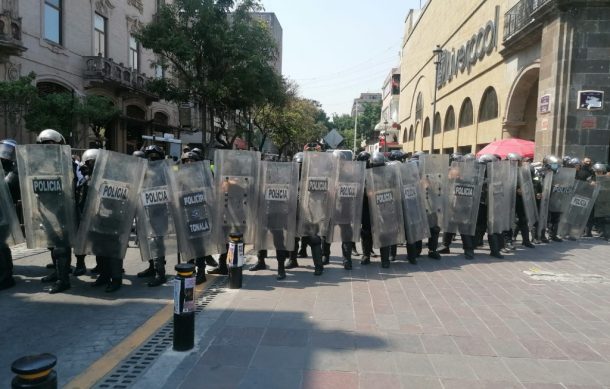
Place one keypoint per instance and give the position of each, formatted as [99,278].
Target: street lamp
[437,61]
[355,128]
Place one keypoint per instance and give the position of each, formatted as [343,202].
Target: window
[52,21]
[437,123]
[99,35]
[466,113]
[159,71]
[419,107]
[450,119]
[489,105]
[407,135]
[134,49]
[427,127]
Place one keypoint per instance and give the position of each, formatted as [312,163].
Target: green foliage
[15,100]
[54,110]
[368,119]
[97,112]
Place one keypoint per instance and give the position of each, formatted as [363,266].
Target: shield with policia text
[528,195]
[316,190]
[383,192]
[602,204]
[235,175]
[561,191]
[464,186]
[543,210]
[433,171]
[413,203]
[576,210]
[277,206]
[155,224]
[191,188]
[111,205]
[346,218]
[47,194]
[501,185]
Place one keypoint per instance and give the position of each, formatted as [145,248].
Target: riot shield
[383,192]
[154,221]
[413,203]
[10,229]
[464,187]
[318,180]
[433,171]
[543,210]
[576,210]
[276,220]
[47,193]
[191,189]
[346,218]
[111,205]
[528,195]
[602,204]
[501,187]
[235,177]
[513,179]
[561,192]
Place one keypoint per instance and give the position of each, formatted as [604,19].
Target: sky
[336,49]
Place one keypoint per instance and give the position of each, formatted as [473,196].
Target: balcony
[105,73]
[523,23]
[10,34]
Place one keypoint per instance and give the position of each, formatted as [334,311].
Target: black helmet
[574,162]
[51,136]
[514,157]
[7,149]
[198,151]
[566,160]
[154,153]
[417,155]
[599,167]
[486,158]
[345,155]
[189,156]
[90,156]
[458,157]
[298,157]
[396,155]
[139,154]
[551,162]
[363,156]
[377,159]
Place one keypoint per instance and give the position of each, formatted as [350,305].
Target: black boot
[367,248]
[6,268]
[292,261]
[53,276]
[495,245]
[385,256]
[393,251]
[281,260]
[354,251]
[160,277]
[346,250]
[260,262]
[116,275]
[62,260]
[412,253]
[150,272]
[316,254]
[80,268]
[200,277]
[222,268]
[325,252]
[104,274]
[210,261]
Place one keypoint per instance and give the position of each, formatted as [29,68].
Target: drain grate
[137,363]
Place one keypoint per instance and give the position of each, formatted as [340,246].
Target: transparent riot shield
[464,186]
[154,220]
[316,189]
[235,174]
[385,205]
[191,188]
[47,194]
[545,197]
[514,178]
[433,171]
[561,192]
[413,203]
[276,220]
[500,195]
[528,195]
[602,204]
[10,229]
[346,218]
[576,210]
[111,205]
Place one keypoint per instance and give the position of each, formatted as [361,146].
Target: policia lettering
[47,185]
[196,215]
[475,49]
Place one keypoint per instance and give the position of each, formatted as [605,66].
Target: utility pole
[437,61]
[356,128]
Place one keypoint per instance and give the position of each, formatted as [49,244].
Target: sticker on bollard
[35,371]
[184,307]
[235,260]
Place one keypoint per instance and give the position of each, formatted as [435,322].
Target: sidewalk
[451,323]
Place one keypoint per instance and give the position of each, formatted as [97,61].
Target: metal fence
[520,15]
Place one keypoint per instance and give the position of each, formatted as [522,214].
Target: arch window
[466,117]
[161,118]
[427,127]
[489,105]
[133,111]
[450,119]
[437,123]
[419,107]
[411,133]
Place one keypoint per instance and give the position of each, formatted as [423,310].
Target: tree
[53,110]
[218,57]
[98,112]
[368,119]
[15,100]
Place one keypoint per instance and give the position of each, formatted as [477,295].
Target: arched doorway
[522,107]
[136,126]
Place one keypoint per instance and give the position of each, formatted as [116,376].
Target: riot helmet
[363,156]
[50,136]
[574,162]
[377,159]
[551,162]
[396,155]
[154,153]
[298,157]
[198,151]
[457,157]
[469,157]
[487,158]
[88,160]
[189,157]
[139,154]
[600,168]
[345,155]
[514,157]
[566,160]
[7,149]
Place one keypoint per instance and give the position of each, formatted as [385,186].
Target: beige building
[87,47]
[507,69]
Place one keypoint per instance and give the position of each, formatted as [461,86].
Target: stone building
[365,98]
[86,47]
[530,69]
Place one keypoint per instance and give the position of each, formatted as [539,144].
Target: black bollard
[35,372]
[184,307]
[235,259]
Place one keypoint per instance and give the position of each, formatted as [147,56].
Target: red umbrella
[504,146]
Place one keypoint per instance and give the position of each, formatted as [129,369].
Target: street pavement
[540,318]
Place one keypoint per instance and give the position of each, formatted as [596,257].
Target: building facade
[529,69]
[365,98]
[87,47]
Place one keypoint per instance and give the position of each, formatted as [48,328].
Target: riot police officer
[601,214]
[494,239]
[522,222]
[11,177]
[292,255]
[82,186]
[552,163]
[366,236]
